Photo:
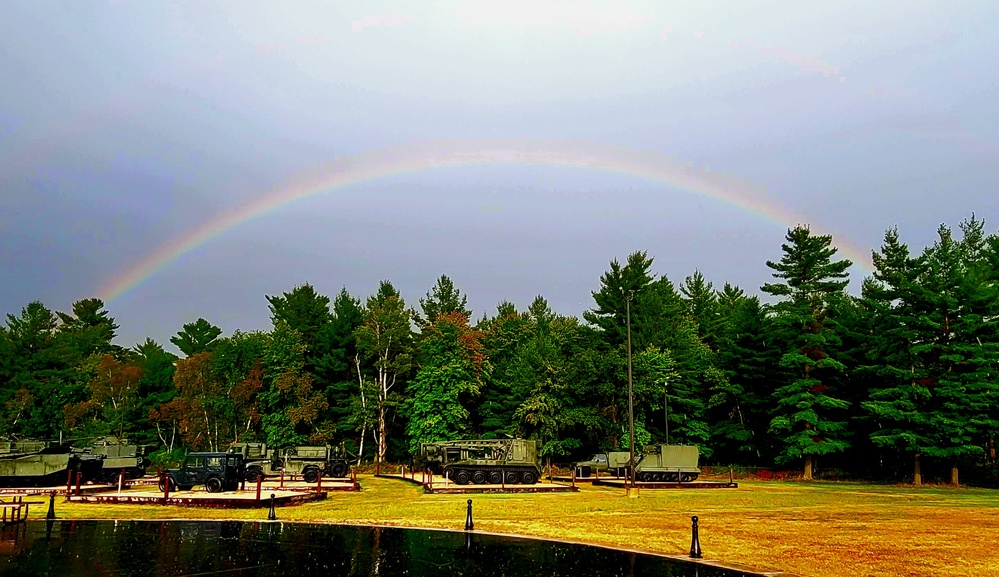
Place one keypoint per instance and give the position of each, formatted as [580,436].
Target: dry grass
[820,529]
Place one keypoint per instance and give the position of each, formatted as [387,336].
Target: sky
[185,159]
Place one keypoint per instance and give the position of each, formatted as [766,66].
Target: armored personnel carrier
[41,464]
[480,461]
[311,462]
[668,463]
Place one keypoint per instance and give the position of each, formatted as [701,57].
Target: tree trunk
[917,476]
[953,476]
[808,467]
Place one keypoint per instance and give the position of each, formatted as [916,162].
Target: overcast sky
[124,126]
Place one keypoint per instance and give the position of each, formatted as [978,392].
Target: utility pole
[666,407]
[631,395]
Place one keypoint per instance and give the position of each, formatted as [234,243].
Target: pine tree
[442,299]
[809,416]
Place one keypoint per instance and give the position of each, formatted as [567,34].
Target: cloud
[391,20]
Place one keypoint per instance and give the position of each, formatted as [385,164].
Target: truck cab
[216,471]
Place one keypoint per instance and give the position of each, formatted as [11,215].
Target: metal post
[79,479]
[259,482]
[166,486]
[469,526]
[319,482]
[695,543]
[51,513]
[574,477]
[271,516]
[69,481]
[121,480]
[281,486]
[731,478]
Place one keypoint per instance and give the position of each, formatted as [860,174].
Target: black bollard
[469,526]
[51,513]
[695,543]
[271,516]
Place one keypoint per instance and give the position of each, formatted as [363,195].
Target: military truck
[311,462]
[216,471]
[482,461]
[615,462]
[117,455]
[668,463]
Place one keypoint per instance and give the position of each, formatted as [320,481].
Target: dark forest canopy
[899,382]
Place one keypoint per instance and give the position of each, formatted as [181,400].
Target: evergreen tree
[196,337]
[442,299]
[809,417]
[960,348]
[898,392]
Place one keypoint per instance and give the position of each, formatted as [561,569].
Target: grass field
[811,529]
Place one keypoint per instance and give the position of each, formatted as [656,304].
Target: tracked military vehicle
[479,461]
[668,463]
[41,464]
[117,455]
[312,462]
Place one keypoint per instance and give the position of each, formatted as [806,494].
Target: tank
[117,455]
[479,461]
[668,463]
[38,464]
[312,462]
[616,462]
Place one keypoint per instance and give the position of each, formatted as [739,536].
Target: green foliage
[452,371]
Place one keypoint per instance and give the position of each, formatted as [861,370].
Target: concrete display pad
[441,485]
[201,498]
[623,483]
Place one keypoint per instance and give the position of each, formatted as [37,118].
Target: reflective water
[244,549]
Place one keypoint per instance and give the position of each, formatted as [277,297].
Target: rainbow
[412,158]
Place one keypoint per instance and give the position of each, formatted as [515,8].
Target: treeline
[896,384]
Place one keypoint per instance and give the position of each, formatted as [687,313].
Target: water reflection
[228,548]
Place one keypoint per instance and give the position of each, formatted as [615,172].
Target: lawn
[810,529]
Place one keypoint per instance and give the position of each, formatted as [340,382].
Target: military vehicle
[117,455]
[615,462]
[481,461]
[216,471]
[311,462]
[41,464]
[668,463]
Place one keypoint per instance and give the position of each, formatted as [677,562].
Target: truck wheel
[528,478]
[479,477]
[512,478]
[253,472]
[214,485]
[461,477]
[495,477]
[311,475]
[167,481]
[340,470]
[585,472]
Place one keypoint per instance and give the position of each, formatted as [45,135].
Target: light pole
[631,397]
